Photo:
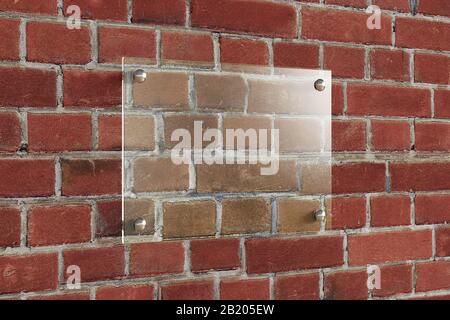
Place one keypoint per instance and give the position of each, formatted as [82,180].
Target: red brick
[420,176]
[435,7]
[47,7]
[100,9]
[347,213]
[188,290]
[243,51]
[186,48]
[391,135]
[98,263]
[432,136]
[10,132]
[27,87]
[82,89]
[422,34]
[395,279]
[390,211]
[216,254]
[395,5]
[385,100]
[59,132]
[431,68]
[109,218]
[297,287]
[432,276]
[348,3]
[91,177]
[118,42]
[276,255]
[110,132]
[389,247]
[63,297]
[150,259]
[443,242]
[442,103]
[55,43]
[59,225]
[159,12]
[35,272]
[251,289]
[295,55]
[343,26]
[349,135]
[9,39]
[346,285]
[130,292]
[9,226]
[337,106]
[337,60]
[389,65]
[255,17]
[432,209]
[27,178]
[358,177]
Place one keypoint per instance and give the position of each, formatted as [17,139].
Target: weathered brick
[346,213]
[9,39]
[296,215]
[432,276]
[277,255]
[260,18]
[442,103]
[395,279]
[100,9]
[315,178]
[297,287]
[390,135]
[337,103]
[383,100]
[129,292]
[151,175]
[436,7]
[81,88]
[246,216]
[443,242]
[115,43]
[25,87]
[432,136]
[349,135]
[346,285]
[35,272]
[10,131]
[97,263]
[251,289]
[422,34]
[47,7]
[55,43]
[336,59]
[389,247]
[188,290]
[109,218]
[245,177]
[159,12]
[9,226]
[194,49]
[199,219]
[431,68]
[243,54]
[389,65]
[348,3]
[295,55]
[215,254]
[390,211]
[395,5]
[343,26]
[150,259]
[420,176]
[83,177]
[27,178]
[59,132]
[431,209]
[358,177]
[59,224]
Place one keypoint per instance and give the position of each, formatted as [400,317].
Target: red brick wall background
[60,173]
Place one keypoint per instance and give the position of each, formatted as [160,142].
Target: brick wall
[60,168]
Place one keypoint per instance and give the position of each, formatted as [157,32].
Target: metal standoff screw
[319,85]
[320,215]
[140,224]
[139,76]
